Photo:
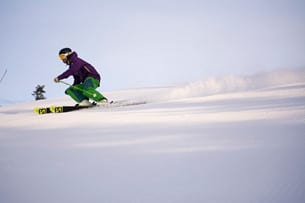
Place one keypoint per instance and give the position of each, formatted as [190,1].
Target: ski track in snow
[231,139]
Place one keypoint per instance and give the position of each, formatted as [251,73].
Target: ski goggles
[64,56]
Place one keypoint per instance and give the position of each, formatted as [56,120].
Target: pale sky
[146,43]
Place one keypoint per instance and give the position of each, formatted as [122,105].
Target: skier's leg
[89,87]
[75,94]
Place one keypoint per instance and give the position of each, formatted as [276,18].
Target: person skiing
[86,79]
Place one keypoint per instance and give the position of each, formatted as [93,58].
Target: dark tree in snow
[38,93]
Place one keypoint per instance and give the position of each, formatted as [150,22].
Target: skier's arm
[74,68]
[65,74]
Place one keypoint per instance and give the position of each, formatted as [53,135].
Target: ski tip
[36,110]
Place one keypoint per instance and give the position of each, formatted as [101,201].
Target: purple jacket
[79,69]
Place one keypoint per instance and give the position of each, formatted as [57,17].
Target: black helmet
[63,53]
[65,50]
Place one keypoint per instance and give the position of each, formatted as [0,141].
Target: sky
[146,43]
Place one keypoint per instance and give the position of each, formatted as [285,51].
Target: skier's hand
[56,79]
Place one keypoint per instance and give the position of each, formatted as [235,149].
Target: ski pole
[77,88]
[3,75]
[65,83]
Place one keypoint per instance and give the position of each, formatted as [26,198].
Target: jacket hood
[72,56]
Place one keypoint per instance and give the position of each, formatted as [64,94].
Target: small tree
[38,93]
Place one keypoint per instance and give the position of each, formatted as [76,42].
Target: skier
[86,79]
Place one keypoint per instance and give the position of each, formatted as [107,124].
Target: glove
[56,79]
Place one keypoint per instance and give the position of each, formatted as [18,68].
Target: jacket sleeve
[65,74]
[74,68]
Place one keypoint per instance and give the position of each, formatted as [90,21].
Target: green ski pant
[85,90]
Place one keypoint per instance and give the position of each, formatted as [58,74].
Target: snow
[230,139]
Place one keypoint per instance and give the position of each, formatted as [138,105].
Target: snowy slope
[230,139]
